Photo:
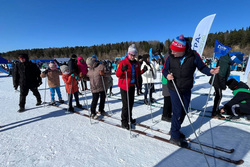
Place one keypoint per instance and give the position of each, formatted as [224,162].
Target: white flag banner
[201,33]
[247,70]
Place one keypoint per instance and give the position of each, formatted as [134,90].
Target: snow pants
[167,107]
[178,111]
[70,97]
[95,101]
[52,93]
[148,86]
[131,94]
[217,100]
[24,92]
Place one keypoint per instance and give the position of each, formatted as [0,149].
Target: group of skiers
[177,80]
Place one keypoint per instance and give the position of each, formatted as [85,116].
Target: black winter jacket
[240,96]
[221,78]
[73,67]
[26,75]
[183,74]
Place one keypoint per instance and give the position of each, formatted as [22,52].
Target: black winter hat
[25,56]
[232,84]
[73,56]
[139,57]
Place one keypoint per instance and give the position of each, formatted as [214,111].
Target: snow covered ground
[48,136]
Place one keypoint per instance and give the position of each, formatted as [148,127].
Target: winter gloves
[73,75]
[124,68]
[46,71]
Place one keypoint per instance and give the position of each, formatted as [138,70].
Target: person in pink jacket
[83,68]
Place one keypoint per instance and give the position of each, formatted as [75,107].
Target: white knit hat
[132,49]
[90,61]
[63,68]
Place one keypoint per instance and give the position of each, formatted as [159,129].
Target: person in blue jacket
[179,68]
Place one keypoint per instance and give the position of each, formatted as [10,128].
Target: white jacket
[148,77]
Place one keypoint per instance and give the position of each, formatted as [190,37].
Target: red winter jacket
[122,75]
[68,80]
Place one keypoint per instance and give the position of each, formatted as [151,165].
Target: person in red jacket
[127,84]
[71,86]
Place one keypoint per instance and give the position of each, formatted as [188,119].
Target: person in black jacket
[72,63]
[179,68]
[220,83]
[239,105]
[26,75]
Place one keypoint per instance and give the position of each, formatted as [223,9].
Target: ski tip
[239,162]
[232,150]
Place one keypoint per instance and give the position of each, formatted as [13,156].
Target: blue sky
[28,24]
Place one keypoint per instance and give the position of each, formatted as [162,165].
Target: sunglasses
[131,54]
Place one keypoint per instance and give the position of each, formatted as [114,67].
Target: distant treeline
[238,40]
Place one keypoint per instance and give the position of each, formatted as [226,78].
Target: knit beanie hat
[25,56]
[73,56]
[90,61]
[179,44]
[94,56]
[64,68]
[132,49]
[232,84]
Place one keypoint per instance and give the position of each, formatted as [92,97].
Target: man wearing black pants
[26,75]
[179,68]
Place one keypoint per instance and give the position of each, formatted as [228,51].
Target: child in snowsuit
[240,103]
[83,70]
[97,74]
[53,81]
[71,86]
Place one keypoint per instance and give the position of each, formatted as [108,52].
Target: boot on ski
[53,103]
[179,142]
[21,109]
[61,101]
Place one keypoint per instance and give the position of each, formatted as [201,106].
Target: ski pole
[106,94]
[150,107]
[45,90]
[84,91]
[190,122]
[86,102]
[69,96]
[206,103]
[128,104]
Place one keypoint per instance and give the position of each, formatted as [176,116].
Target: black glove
[46,71]
[15,87]
[124,68]
[145,68]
